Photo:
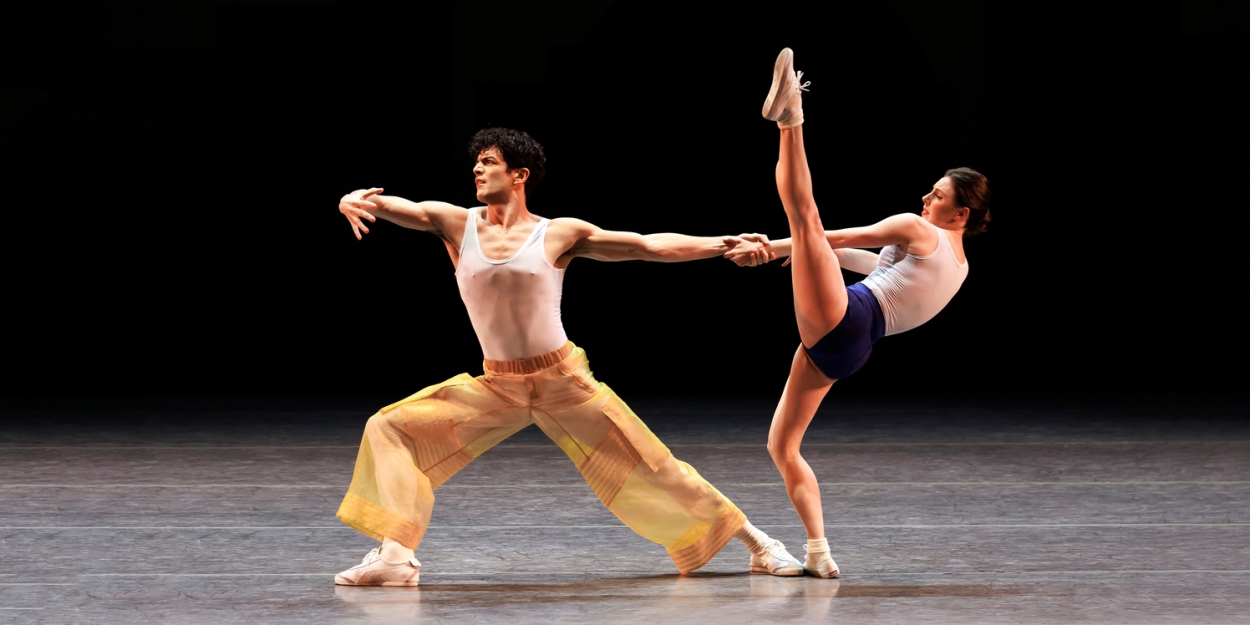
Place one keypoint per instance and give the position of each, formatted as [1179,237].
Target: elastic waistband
[530,365]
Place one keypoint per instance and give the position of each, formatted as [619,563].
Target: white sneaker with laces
[820,563]
[374,571]
[775,560]
[784,104]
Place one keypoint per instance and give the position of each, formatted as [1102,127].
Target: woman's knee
[783,450]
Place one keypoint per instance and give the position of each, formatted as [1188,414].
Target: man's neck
[509,213]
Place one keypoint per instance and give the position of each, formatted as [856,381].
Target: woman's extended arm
[851,259]
[908,230]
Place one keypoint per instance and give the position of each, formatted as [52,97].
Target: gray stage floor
[1075,511]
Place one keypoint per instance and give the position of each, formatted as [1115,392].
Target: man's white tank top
[514,303]
[912,289]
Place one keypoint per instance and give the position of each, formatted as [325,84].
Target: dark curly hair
[972,189]
[517,148]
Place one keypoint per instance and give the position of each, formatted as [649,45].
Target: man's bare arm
[366,205]
[590,241]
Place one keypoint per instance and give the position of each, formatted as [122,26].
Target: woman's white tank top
[913,289]
[514,303]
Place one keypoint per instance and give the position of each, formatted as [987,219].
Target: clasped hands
[749,250]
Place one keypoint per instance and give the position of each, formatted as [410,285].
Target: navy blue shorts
[846,347]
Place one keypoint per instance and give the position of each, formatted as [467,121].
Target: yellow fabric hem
[379,523]
[695,556]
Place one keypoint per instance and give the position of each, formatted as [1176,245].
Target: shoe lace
[801,86]
[778,550]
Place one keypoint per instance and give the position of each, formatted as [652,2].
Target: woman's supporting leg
[819,292]
[805,389]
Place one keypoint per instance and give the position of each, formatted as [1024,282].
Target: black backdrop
[172,175]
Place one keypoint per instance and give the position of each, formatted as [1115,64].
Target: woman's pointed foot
[784,103]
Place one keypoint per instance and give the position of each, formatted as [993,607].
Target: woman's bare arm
[851,259]
[908,230]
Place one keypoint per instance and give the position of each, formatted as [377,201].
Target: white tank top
[514,303]
[912,289]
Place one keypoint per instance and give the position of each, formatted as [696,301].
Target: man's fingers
[373,191]
[787,261]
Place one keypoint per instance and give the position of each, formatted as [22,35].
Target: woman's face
[939,206]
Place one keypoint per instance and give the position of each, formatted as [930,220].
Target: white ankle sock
[792,115]
[395,553]
[753,538]
[817,546]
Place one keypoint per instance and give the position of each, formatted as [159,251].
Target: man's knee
[388,424]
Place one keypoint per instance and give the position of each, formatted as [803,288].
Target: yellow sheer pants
[412,447]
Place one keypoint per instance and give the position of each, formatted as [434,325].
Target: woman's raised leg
[819,292]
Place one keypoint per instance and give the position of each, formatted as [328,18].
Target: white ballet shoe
[374,571]
[775,560]
[784,103]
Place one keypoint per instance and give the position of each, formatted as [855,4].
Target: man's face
[494,181]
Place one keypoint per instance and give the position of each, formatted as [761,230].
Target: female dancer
[919,269]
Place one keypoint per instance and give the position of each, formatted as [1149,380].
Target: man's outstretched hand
[355,207]
[749,250]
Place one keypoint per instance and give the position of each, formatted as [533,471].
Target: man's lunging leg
[638,479]
[409,449]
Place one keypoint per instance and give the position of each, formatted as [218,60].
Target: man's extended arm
[590,241]
[366,205]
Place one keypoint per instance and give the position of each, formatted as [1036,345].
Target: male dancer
[510,265]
